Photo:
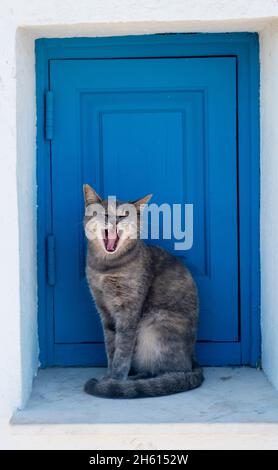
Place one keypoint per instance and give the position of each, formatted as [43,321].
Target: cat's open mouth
[110,240]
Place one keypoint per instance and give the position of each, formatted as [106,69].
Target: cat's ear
[90,195]
[143,200]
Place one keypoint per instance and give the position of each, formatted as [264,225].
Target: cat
[148,305]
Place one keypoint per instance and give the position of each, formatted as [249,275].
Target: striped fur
[148,305]
[164,384]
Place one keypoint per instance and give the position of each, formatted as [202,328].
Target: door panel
[131,127]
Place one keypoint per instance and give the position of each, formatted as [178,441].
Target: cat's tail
[164,384]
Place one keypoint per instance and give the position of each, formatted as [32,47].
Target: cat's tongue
[111,241]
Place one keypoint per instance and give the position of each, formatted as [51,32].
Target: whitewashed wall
[21,21]
[269,201]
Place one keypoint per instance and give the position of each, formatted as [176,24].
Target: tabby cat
[148,305]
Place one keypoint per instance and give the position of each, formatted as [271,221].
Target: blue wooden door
[129,127]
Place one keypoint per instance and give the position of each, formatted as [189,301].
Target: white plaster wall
[21,21]
[10,354]
[26,182]
[269,201]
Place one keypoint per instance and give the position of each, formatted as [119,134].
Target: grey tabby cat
[148,304]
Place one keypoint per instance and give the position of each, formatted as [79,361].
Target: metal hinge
[50,260]
[49,115]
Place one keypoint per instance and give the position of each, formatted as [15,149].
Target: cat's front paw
[89,386]
[106,376]
[119,375]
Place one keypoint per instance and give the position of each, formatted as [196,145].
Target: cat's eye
[122,216]
[90,212]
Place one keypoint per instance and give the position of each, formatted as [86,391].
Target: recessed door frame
[245,48]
